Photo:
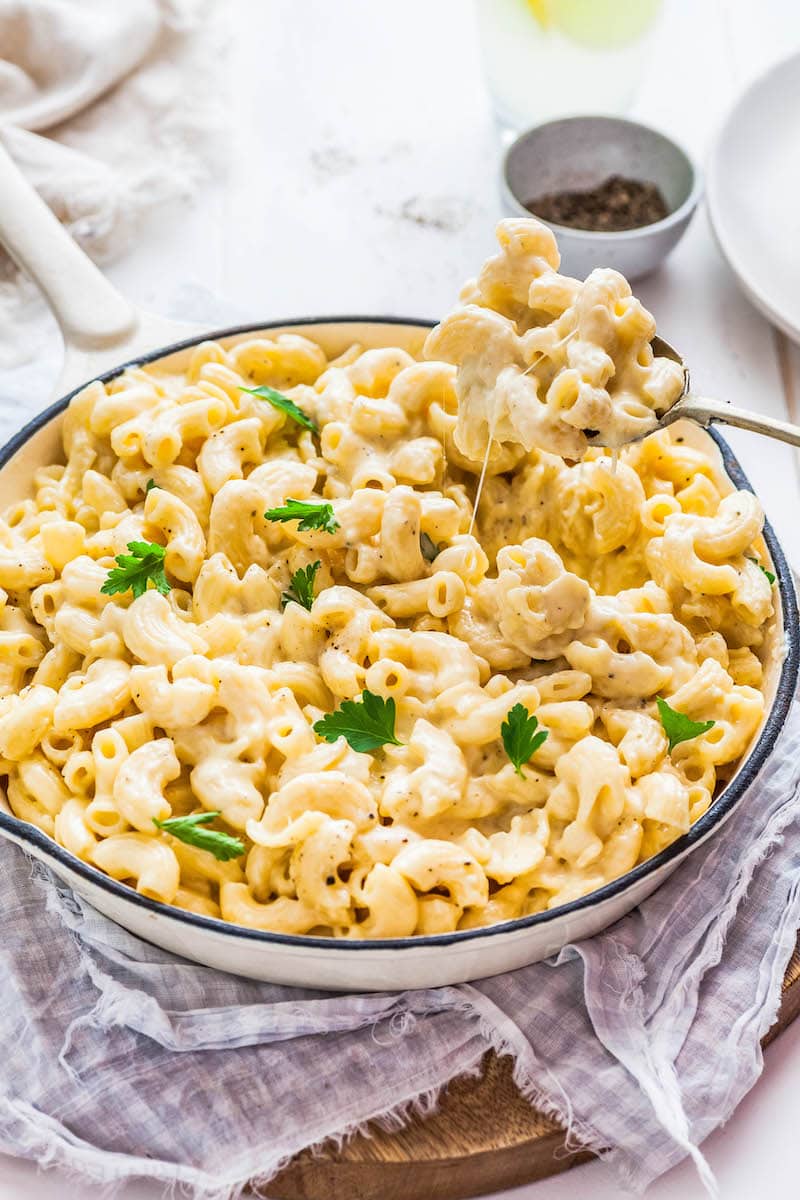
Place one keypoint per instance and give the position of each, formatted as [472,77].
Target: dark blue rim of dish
[718,811]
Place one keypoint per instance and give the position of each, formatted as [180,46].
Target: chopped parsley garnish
[769,574]
[301,587]
[283,404]
[677,726]
[192,831]
[151,483]
[144,564]
[520,736]
[312,514]
[367,724]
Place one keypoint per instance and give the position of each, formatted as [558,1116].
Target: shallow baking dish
[103,335]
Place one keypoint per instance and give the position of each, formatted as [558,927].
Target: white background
[361,178]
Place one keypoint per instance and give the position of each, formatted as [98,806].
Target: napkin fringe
[506,1039]
[392,1119]
[30,1134]
[27,1133]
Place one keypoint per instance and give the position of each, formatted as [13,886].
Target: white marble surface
[361,178]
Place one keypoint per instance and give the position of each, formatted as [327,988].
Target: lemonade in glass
[557,58]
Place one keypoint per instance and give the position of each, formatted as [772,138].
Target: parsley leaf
[301,587]
[520,738]
[428,547]
[191,831]
[312,514]
[769,574]
[678,727]
[366,725]
[151,483]
[134,571]
[284,405]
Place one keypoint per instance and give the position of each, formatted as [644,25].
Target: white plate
[753,193]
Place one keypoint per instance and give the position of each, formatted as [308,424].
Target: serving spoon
[705,411]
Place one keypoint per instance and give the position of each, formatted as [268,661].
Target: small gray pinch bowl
[577,154]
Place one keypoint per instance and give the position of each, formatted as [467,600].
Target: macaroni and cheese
[261,659]
[551,363]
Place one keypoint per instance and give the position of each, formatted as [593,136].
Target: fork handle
[704,411]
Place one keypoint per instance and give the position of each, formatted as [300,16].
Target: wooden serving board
[483,1138]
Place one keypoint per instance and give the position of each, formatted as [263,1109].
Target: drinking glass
[557,58]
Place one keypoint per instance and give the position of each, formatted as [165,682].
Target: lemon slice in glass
[541,11]
[600,24]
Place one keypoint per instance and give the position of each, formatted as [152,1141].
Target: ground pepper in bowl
[613,206]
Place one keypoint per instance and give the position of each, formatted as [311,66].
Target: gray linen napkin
[122,1061]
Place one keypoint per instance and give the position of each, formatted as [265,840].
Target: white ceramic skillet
[103,334]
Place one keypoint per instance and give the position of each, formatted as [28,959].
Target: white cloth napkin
[111,109]
[121,1061]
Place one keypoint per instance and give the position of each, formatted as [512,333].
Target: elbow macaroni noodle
[585,589]
[548,362]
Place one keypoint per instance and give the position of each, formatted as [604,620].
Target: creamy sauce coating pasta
[582,593]
[547,362]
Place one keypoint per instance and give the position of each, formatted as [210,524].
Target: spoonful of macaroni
[545,361]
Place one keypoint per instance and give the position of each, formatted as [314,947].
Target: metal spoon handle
[704,411]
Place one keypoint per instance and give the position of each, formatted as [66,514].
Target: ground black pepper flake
[614,205]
